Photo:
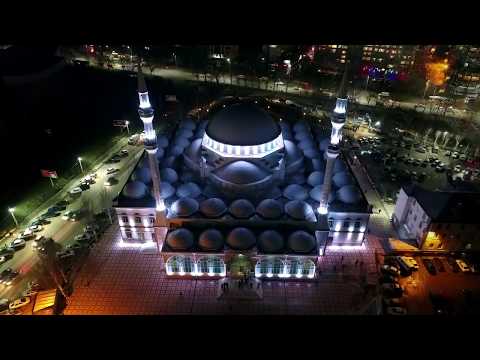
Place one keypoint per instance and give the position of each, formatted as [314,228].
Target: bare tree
[427,133]
[446,138]
[49,263]
[458,139]
[477,151]
[438,133]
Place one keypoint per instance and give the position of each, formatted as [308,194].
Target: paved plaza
[119,280]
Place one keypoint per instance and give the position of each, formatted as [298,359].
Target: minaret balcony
[145,113]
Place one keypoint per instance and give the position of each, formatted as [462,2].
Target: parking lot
[447,285]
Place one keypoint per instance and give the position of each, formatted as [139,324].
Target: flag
[49,173]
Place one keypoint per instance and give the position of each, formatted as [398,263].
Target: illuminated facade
[438,220]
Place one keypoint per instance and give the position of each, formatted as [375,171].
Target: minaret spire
[146,113]
[337,119]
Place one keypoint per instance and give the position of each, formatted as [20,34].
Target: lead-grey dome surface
[295,192]
[323,144]
[166,190]
[312,153]
[318,164]
[300,210]
[212,208]
[270,241]
[175,151]
[181,142]
[241,239]
[342,178]
[184,207]
[142,174]
[189,189]
[162,141]
[349,194]
[241,172]
[211,240]
[339,166]
[169,175]
[241,209]
[299,126]
[242,124]
[301,242]
[293,153]
[135,190]
[180,239]
[316,193]
[187,124]
[160,153]
[270,209]
[315,178]
[184,133]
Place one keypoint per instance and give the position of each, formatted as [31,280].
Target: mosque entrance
[240,266]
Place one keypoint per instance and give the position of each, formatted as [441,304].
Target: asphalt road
[63,231]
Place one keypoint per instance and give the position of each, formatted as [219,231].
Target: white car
[66,216]
[463,265]
[75,191]
[410,262]
[457,168]
[111,171]
[17,244]
[19,303]
[36,228]
[396,310]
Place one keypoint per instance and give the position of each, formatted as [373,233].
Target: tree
[458,139]
[446,138]
[427,133]
[47,255]
[106,203]
[438,133]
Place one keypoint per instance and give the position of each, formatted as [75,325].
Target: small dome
[162,141]
[323,144]
[339,166]
[175,151]
[169,162]
[241,209]
[213,207]
[297,178]
[180,239]
[295,192]
[135,190]
[210,240]
[302,136]
[285,126]
[181,142]
[168,175]
[342,178]
[349,194]
[166,190]
[273,193]
[160,153]
[142,174]
[241,173]
[306,144]
[194,150]
[300,210]
[301,242]
[299,126]
[184,133]
[241,239]
[199,133]
[287,135]
[312,153]
[318,164]
[189,189]
[293,153]
[316,192]
[184,207]
[270,209]
[315,178]
[270,241]
[188,124]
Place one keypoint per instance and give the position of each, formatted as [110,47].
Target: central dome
[243,124]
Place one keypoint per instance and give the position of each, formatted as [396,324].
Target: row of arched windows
[275,267]
[186,265]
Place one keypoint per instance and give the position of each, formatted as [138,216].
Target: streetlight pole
[427,84]
[11,211]
[126,124]
[80,163]
[230,67]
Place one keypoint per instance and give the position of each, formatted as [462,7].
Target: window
[152,220]
[128,234]
[330,223]
[175,264]
[357,224]
[138,220]
[125,219]
[346,224]
[211,265]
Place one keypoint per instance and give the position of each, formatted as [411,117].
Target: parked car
[123,153]
[453,264]
[111,181]
[75,191]
[390,270]
[17,244]
[19,303]
[38,242]
[4,304]
[36,228]
[430,267]
[84,186]
[7,276]
[5,258]
[7,251]
[463,265]
[112,171]
[63,202]
[396,310]
[392,290]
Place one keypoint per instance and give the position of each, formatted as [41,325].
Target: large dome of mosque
[242,124]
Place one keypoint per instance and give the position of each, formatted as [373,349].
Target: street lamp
[11,211]
[80,163]
[126,124]
[230,67]
[427,84]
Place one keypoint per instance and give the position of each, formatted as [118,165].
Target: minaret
[146,113]
[338,120]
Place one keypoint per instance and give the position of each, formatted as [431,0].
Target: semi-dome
[303,135]
[242,124]
[315,178]
[241,209]
[166,190]
[160,153]
[142,174]
[193,151]
[181,142]
[187,124]
[316,193]
[299,126]
[292,151]
[323,144]
[318,164]
[342,178]
[169,162]
[242,173]
[184,133]
[306,144]
[300,210]
[210,240]
[169,175]
[339,166]
[270,241]
[301,242]
[295,192]
[135,190]
[189,189]
[175,151]
[212,208]
[184,207]
[241,239]
[270,209]
[312,153]
[180,239]
[297,178]
[162,141]
[349,194]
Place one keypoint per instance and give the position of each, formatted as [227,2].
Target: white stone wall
[136,225]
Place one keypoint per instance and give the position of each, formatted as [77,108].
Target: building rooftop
[447,206]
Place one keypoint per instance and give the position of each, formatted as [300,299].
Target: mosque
[245,189]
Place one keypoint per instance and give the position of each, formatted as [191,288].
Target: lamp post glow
[80,163]
[230,67]
[126,125]
[11,211]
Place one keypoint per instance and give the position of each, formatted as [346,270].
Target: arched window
[295,268]
[188,265]
[277,266]
[308,268]
[211,265]
[301,268]
[261,268]
[175,264]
